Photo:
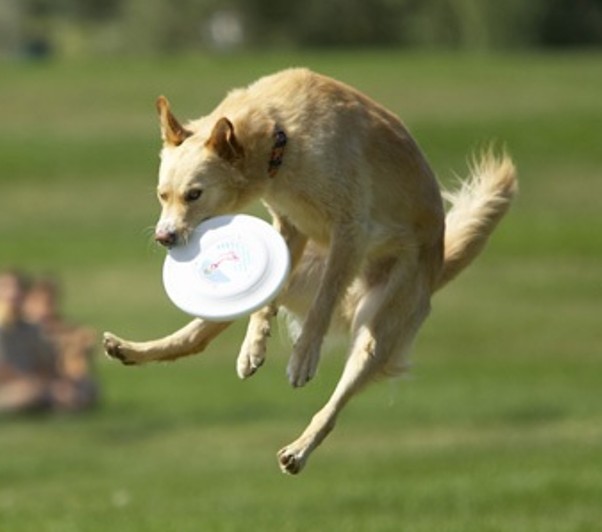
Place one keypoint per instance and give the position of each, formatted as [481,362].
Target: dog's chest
[302,214]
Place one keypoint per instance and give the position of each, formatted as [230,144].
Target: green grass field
[499,426]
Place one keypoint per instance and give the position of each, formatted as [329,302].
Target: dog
[361,212]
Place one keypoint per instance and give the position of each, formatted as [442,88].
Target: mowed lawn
[497,428]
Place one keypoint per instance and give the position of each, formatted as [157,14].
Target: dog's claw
[113,346]
[246,367]
[251,357]
[289,462]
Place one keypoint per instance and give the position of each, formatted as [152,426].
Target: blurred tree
[163,25]
[97,10]
[346,22]
[571,23]
[470,24]
[11,17]
[321,22]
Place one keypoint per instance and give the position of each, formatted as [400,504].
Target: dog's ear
[172,132]
[224,142]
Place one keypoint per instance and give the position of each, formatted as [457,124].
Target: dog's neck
[277,154]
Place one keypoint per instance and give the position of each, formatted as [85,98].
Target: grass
[497,428]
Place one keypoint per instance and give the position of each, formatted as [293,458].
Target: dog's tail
[476,209]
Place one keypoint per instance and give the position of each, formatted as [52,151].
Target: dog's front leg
[190,339]
[254,346]
[344,255]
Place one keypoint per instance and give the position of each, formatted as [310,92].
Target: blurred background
[80,28]
[498,427]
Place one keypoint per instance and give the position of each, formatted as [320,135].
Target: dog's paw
[303,365]
[248,362]
[253,350]
[115,348]
[291,461]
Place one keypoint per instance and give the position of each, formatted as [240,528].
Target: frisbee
[229,267]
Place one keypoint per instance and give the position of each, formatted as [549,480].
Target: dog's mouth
[169,238]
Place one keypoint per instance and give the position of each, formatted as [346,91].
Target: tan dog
[359,207]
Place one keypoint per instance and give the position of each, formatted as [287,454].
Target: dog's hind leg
[386,322]
[190,339]
[340,267]
[359,368]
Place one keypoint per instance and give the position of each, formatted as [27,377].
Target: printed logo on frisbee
[232,264]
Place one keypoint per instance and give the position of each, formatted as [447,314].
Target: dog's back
[348,159]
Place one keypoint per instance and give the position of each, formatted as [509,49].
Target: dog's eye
[193,194]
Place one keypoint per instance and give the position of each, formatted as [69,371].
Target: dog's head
[201,174]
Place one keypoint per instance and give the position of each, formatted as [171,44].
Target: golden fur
[361,212]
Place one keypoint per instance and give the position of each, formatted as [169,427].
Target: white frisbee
[231,266]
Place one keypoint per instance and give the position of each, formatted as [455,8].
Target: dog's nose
[166,238]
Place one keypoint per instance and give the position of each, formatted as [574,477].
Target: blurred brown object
[77,387]
[27,359]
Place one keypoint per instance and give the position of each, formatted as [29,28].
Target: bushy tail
[476,209]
